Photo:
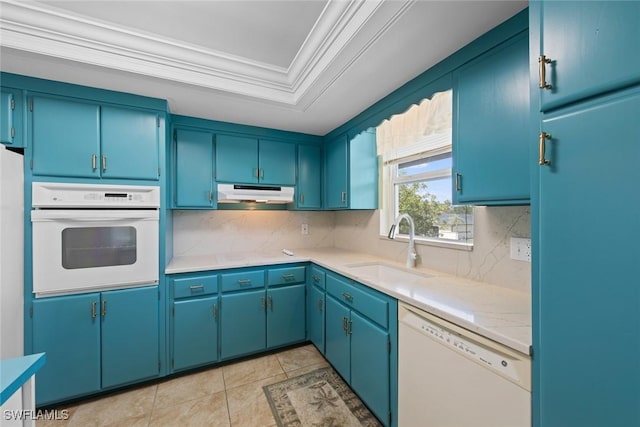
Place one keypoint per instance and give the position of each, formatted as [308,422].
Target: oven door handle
[93,215]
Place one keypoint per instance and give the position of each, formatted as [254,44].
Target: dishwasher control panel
[492,358]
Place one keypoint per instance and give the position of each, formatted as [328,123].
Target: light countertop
[497,313]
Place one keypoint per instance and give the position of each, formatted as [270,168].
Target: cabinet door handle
[104,308]
[263,303]
[301,198]
[261,173]
[215,312]
[93,309]
[458,182]
[257,173]
[210,196]
[243,282]
[347,296]
[343,197]
[542,71]
[320,305]
[94,161]
[270,302]
[349,323]
[316,278]
[344,324]
[542,147]
[104,163]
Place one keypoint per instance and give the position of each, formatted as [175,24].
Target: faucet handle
[392,232]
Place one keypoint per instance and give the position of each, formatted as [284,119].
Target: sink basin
[386,273]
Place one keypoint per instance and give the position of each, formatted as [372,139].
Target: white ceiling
[306,66]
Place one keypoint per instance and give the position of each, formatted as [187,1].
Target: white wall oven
[90,237]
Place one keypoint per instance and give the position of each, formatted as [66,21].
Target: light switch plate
[521,249]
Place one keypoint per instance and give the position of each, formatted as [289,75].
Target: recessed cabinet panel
[337,339]
[195,332]
[336,162]
[285,315]
[309,194]
[129,143]
[315,317]
[65,138]
[277,162]
[243,327]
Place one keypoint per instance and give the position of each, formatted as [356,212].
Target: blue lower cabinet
[195,332]
[285,315]
[95,341]
[243,323]
[130,340]
[315,317]
[68,330]
[363,349]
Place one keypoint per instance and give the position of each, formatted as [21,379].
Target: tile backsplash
[215,232]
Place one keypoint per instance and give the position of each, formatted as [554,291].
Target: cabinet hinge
[13,104]
[31,105]
[31,163]
[158,120]
[175,135]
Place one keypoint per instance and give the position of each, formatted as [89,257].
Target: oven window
[87,247]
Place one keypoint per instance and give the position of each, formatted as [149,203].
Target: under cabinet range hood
[238,193]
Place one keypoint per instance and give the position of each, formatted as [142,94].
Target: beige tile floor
[226,396]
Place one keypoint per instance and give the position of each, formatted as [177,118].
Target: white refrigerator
[11,254]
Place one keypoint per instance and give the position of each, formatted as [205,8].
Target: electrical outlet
[305,229]
[521,249]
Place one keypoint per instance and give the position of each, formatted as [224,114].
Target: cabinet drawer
[281,276]
[242,280]
[318,277]
[195,286]
[362,300]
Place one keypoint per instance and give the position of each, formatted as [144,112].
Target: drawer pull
[316,278]
[243,282]
[288,276]
[196,287]
[347,296]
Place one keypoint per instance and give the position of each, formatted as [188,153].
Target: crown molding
[42,29]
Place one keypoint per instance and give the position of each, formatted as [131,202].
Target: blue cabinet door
[363,171]
[491,127]
[65,137]
[370,365]
[130,335]
[243,323]
[7,112]
[277,163]
[194,169]
[591,48]
[285,315]
[68,330]
[588,298]
[309,194]
[337,338]
[195,332]
[336,163]
[236,159]
[129,143]
[315,317]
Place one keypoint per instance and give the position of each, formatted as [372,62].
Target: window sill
[433,242]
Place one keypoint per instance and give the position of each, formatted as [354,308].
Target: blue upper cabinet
[65,137]
[491,127]
[72,138]
[251,161]
[129,143]
[586,44]
[309,194]
[11,117]
[351,172]
[237,159]
[193,169]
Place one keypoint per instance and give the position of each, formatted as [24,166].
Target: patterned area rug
[317,399]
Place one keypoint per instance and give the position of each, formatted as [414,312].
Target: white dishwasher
[450,377]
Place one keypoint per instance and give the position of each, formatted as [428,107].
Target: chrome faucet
[411,253]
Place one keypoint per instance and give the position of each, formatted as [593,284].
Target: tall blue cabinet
[585,71]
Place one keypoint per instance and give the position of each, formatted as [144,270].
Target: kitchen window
[416,175]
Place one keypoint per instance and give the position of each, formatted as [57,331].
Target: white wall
[214,232]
